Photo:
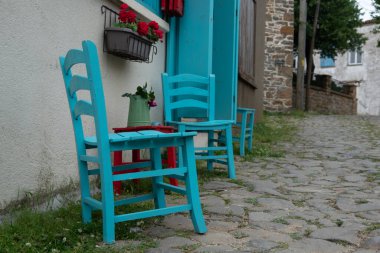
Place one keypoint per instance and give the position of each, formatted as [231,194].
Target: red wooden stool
[118,155]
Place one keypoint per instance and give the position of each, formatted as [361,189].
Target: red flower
[131,16]
[159,33]
[123,17]
[142,28]
[152,103]
[153,25]
[124,6]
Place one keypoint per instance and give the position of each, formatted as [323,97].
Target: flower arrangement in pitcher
[143,92]
[128,19]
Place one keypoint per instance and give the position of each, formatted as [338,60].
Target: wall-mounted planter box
[127,44]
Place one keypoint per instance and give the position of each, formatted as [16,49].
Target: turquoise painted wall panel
[195,38]
[225,52]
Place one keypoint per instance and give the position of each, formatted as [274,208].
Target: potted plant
[139,106]
[129,38]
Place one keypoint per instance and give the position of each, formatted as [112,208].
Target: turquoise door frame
[152,5]
[205,41]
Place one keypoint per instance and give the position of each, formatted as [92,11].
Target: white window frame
[356,62]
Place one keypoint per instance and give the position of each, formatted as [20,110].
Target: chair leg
[210,143]
[108,204]
[192,191]
[181,128]
[230,153]
[243,130]
[85,191]
[159,193]
[251,124]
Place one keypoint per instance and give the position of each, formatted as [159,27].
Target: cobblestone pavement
[323,196]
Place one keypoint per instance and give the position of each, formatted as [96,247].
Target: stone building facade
[278,65]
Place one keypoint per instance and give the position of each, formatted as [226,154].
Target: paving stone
[354,178]
[313,246]
[349,205]
[215,238]
[175,241]
[366,251]
[178,222]
[160,232]
[275,204]
[337,233]
[262,234]
[261,245]
[163,250]
[219,185]
[215,249]
[222,225]
[372,243]
[237,210]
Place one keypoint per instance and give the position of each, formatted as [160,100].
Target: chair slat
[170,187]
[74,56]
[151,213]
[187,91]
[83,108]
[187,78]
[187,103]
[79,83]
[147,174]
[87,158]
[96,204]
[128,201]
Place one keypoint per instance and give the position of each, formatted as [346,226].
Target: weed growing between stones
[280,220]
[296,236]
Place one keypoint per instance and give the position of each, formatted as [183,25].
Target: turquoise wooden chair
[105,143]
[245,129]
[184,96]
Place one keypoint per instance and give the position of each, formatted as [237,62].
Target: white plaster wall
[368,74]
[36,135]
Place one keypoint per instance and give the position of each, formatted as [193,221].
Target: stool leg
[117,160]
[230,153]
[159,193]
[192,191]
[210,143]
[172,164]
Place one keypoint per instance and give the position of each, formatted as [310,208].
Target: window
[152,5]
[327,62]
[355,57]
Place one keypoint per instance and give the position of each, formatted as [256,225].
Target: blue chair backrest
[186,94]
[92,82]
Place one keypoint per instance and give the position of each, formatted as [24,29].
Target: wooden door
[251,55]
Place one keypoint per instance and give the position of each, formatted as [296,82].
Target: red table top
[164,129]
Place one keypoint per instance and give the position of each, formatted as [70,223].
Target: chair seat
[203,123]
[133,136]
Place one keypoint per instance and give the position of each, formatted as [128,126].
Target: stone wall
[331,102]
[327,101]
[278,55]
